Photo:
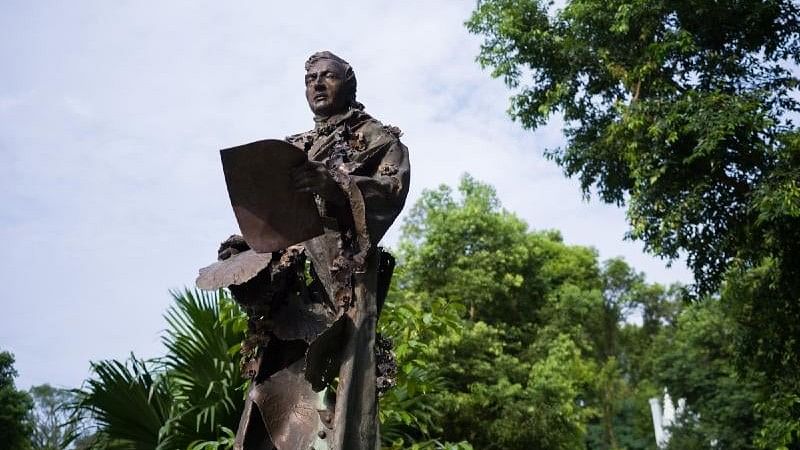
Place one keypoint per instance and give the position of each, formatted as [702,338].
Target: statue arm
[384,191]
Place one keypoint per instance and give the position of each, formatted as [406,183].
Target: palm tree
[129,403]
[188,398]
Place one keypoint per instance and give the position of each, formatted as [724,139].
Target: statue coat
[316,324]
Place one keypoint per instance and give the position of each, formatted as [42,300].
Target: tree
[541,359]
[408,411]
[697,364]
[189,398]
[14,406]
[462,248]
[129,403]
[471,251]
[504,337]
[54,425]
[681,110]
[681,105]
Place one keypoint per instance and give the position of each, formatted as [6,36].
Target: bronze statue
[311,346]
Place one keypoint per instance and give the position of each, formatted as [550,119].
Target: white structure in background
[663,418]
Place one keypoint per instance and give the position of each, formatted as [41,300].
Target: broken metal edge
[236,270]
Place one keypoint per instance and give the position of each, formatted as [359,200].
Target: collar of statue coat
[335,120]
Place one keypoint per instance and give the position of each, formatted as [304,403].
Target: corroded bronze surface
[238,269]
[311,345]
[272,215]
[289,408]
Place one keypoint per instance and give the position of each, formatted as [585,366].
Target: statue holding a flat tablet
[308,270]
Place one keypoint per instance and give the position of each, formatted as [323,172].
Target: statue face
[325,90]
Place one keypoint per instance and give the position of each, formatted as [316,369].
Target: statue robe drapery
[315,324]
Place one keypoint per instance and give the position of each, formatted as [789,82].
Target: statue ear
[350,79]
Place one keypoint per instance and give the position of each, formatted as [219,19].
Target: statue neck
[333,120]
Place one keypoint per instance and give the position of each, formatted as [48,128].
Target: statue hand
[231,246]
[313,177]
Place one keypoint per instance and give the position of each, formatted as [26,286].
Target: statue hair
[350,82]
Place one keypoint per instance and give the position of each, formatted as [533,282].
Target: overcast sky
[112,114]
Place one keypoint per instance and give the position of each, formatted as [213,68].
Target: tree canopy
[15,427]
[681,110]
[55,426]
[542,358]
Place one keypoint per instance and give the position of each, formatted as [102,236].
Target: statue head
[330,85]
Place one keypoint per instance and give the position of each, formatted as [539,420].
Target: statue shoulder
[374,130]
[301,140]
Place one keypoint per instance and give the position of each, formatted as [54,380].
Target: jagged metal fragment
[290,408]
[235,270]
[298,319]
[322,358]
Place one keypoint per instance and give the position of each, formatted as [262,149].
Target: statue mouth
[321,97]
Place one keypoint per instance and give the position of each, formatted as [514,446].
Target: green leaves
[407,411]
[677,106]
[682,111]
[467,250]
[14,406]
[525,353]
[204,331]
[130,402]
[697,364]
[191,397]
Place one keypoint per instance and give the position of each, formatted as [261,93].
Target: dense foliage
[556,349]
[15,428]
[697,365]
[681,105]
[681,110]
[542,358]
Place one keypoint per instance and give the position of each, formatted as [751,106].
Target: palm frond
[204,334]
[129,402]
[192,394]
